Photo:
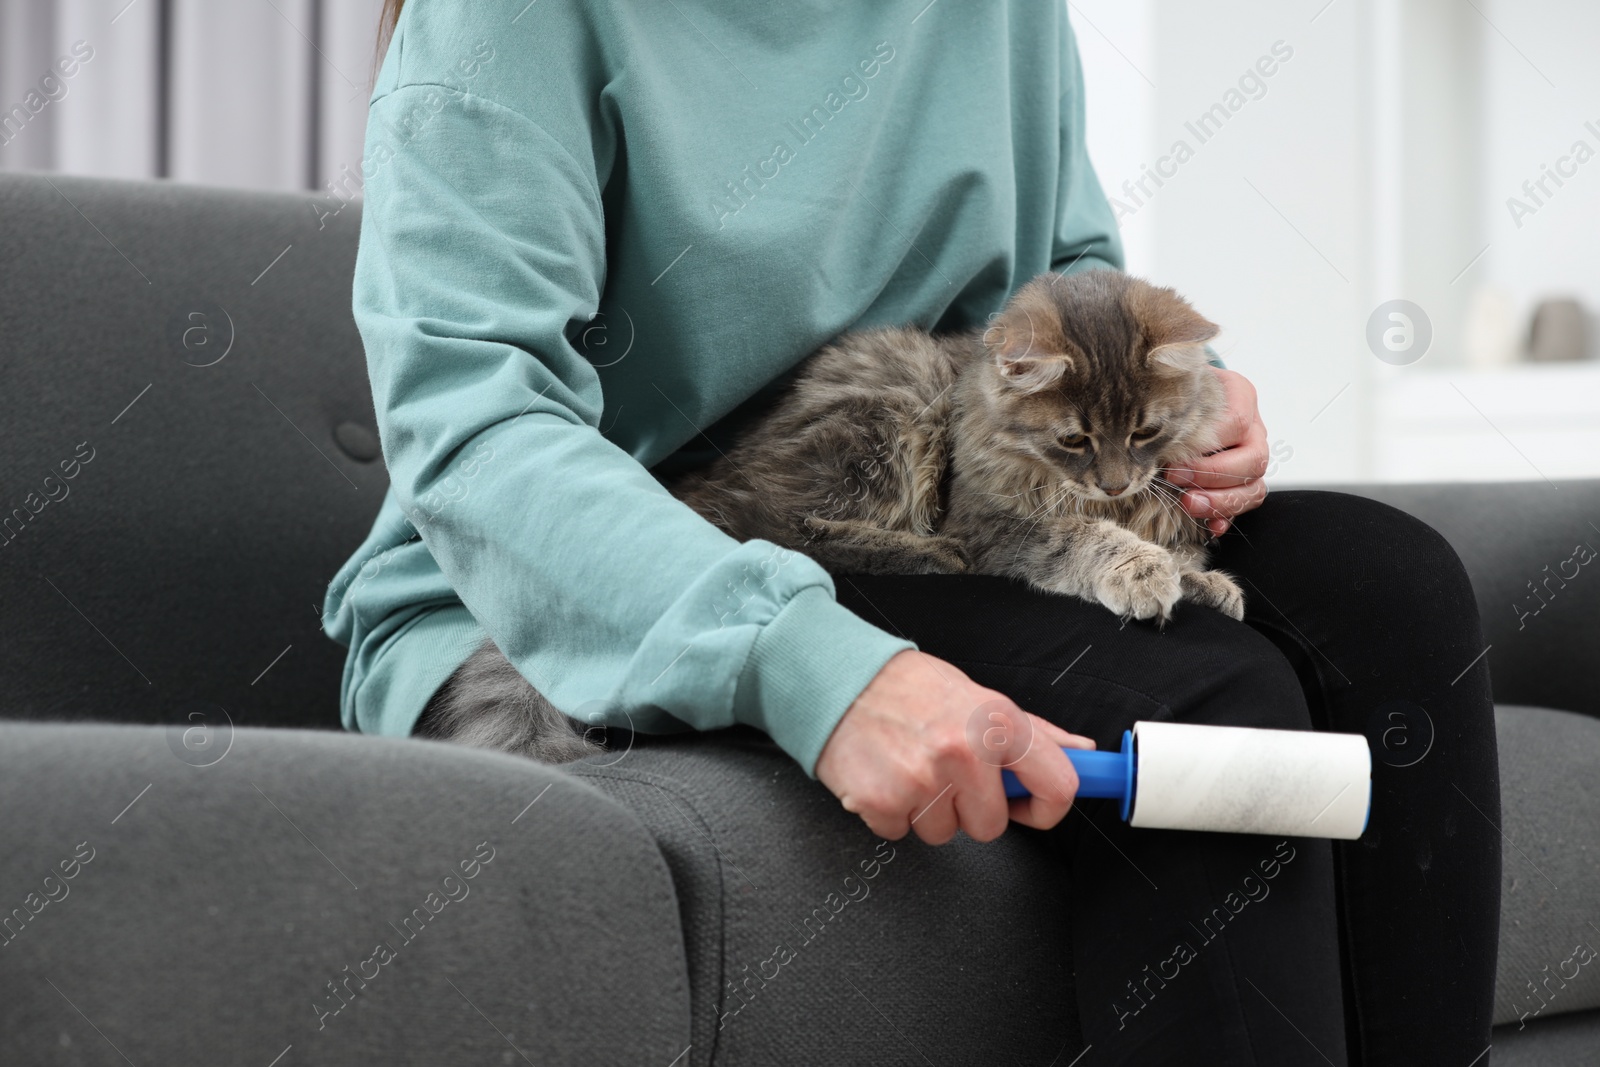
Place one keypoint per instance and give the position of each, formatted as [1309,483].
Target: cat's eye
[1073,440]
[1146,435]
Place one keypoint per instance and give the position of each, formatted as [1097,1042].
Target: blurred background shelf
[1525,421]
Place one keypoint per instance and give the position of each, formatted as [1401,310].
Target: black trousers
[1210,948]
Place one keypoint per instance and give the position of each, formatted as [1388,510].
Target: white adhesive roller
[1243,780]
[1230,779]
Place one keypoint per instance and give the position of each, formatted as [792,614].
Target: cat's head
[1100,380]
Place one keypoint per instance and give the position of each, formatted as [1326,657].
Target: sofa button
[358,442]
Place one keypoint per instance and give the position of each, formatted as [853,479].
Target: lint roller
[1230,779]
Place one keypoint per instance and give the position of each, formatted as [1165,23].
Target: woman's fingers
[1224,504]
[1225,484]
[921,751]
[1041,810]
[1059,735]
[973,801]
[1230,481]
[995,735]
[1245,460]
[1045,769]
[937,821]
[1232,467]
[981,808]
[1049,776]
[881,821]
[1038,812]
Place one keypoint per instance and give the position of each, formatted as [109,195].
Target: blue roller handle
[1100,774]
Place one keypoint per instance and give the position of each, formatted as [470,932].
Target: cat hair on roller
[1231,779]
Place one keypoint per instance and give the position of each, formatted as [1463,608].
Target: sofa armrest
[360,899]
[1522,544]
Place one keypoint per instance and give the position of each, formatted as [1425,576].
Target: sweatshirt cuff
[806,668]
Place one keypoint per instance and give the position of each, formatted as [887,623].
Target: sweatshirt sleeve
[1086,235]
[482,248]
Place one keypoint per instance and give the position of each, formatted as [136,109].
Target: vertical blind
[267,94]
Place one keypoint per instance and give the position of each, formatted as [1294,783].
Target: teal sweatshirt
[597,234]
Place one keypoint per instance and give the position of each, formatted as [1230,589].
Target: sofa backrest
[189,449]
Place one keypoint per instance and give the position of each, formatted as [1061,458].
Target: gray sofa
[197,865]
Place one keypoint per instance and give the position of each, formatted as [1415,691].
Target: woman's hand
[1229,481]
[922,747]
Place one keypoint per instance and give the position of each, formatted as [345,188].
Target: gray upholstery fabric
[1550,816]
[218,902]
[1564,1041]
[201,537]
[959,953]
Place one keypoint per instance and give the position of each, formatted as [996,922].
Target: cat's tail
[486,703]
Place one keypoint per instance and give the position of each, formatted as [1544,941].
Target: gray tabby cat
[1032,449]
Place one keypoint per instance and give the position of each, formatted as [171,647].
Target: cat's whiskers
[1051,499]
[1013,496]
[1176,497]
[1169,498]
[1038,513]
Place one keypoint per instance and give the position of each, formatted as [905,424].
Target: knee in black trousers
[1325,568]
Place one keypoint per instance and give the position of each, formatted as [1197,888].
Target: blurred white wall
[1540,93]
[1377,161]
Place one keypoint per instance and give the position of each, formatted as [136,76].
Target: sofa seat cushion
[1558,1041]
[1550,880]
[362,900]
[810,940]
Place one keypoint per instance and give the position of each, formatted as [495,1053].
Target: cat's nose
[1112,490]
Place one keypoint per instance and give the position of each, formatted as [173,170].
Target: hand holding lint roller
[1231,779]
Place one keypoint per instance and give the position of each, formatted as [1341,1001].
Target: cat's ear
[1026,342]
[1177,358]
[1028,370]
[1177,339]
[1174,332]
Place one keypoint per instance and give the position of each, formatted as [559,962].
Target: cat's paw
[945,555]
[1143,583]
[1214,589]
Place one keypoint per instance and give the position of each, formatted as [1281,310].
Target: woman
[598,234]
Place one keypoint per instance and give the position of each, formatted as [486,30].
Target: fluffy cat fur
[1033,448]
